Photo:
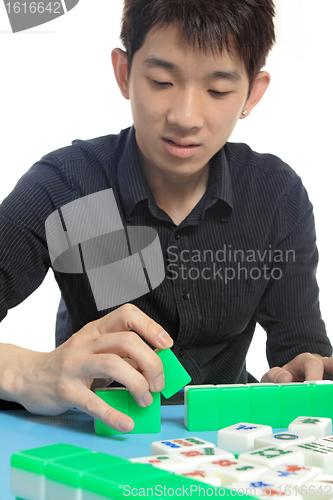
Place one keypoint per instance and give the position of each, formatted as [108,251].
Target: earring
[244,112]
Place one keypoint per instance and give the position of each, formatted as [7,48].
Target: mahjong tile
[168,446]
[239,438]
[290,474]
[229,470]
[311,426]
[273,456]
[317,454]
[265,489]
[199,474]
[328,440]
[320,488]
[282,440]
[197,456]
[165,462]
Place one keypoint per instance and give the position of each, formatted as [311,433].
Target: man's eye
[218,94]
[160,84]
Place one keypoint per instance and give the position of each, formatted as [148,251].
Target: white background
[57,85]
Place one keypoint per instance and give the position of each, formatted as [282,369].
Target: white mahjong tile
[328,440]
[290,474]
[311,426]
[265,489]
[199,474]
[282,440]
[165,462]
[197,456]
[317,454]
[273,456]
[320,488]
[239,438]
[229,470]
[168,446]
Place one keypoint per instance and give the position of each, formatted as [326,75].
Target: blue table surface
[20,430]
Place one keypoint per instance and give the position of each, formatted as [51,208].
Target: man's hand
[51,383]
[305,366]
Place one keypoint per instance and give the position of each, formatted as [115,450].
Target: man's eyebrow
[226,75]
[161,63]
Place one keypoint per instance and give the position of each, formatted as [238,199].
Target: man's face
[185,102]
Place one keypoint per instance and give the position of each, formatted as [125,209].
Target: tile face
[295,399]
[168,446]
[176,377]
[240,437]
[293,475]
[233,470]
[315,426]
[317,454]
[200,474]
[266,404]
[235,404]
[165,462]
[197,456]
[320,488]
[202,408]
[273,456]
[282,440]
[264,489]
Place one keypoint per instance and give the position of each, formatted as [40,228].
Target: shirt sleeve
[289,309]
[24,256]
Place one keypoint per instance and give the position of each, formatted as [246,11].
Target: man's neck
[178,196]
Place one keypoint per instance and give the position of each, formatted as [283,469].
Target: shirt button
[181,352]
[177,236]
[186,295]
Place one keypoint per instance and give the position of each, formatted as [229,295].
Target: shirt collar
[134,187]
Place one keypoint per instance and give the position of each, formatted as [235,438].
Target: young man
[236,228]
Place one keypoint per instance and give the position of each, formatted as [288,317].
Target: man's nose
[186,110]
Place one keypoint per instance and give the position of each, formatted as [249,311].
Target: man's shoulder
[241,155]
[97,151]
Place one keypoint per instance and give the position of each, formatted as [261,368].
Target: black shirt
[245,254]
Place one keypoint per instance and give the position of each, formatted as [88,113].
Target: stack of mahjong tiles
[250,459]
[65,472]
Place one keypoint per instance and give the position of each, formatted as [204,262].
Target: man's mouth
[180,148]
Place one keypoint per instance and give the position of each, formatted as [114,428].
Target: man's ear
[259,87]
[119,63]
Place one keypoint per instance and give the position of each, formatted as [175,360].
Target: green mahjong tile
[202,408]
[35,460]
[322,400]
[146,419]
[106,483]
[69,470]
[266,404]
[296,400]
[117,397]
[176,377]
[235,405]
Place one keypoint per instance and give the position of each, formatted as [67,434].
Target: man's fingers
[130,345]
[128,317]
[306,366]
[113,366]
[277,375]
[87,401]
